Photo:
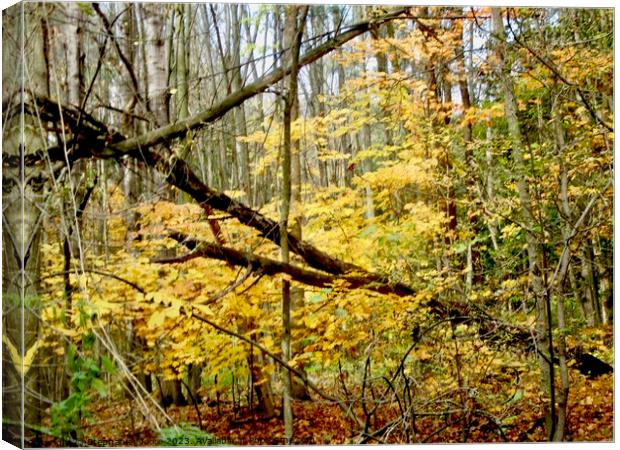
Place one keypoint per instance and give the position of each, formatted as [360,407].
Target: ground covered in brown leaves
[119,423]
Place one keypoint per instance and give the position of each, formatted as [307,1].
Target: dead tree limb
[95,139]
[181,127]
[268,266]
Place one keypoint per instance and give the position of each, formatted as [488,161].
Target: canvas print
[267,224]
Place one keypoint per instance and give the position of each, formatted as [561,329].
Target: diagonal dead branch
[268,266]
[180,128]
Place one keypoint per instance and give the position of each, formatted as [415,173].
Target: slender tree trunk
[439,118]
[317,83]
[128,127]
[183,15]
[381,59]
[293,31]
[562,398]
[130,95]
[298,390]
[589,285]
[474,266]
[533,246]
[243,157]
[287,407]
[604,268]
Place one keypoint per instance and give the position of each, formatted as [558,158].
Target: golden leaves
[22,365]
[204,309]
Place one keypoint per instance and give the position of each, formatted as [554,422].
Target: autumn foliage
[451,233]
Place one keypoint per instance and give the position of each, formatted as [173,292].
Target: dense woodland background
[307,224]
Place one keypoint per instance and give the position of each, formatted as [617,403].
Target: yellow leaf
[204,309]
[30,354]
[311,322]
[22,366]
[158,318]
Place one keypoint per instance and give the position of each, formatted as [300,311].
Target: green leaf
[108,365]
[88,341]
[100,387]
[91,367]
[368,231]
[518,395]
[71,349]
[86,9]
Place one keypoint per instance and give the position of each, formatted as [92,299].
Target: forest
[252,224]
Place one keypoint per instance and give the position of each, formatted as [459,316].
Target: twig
[575,229]
[302,376]
[123,58]
[341,377]
[99,272]
[557,73]
[191,396]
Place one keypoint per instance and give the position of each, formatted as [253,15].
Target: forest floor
[118,423]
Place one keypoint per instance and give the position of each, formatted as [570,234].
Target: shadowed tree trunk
[22,196]
[533,246]
[154,16]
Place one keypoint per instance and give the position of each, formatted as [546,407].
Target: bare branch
[268,266]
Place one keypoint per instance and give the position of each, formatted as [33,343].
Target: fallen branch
[268,266]
[181,127]
[97,272]
[94,139]
[179,174]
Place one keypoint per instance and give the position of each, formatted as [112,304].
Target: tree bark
[243,157]
[22,197]
[562,398]
[293,30]
[533,246]
[158,104]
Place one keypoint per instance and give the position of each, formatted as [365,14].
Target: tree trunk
[589,286]
[439,117]
[533,247]
[243,157]
[562,398]
[293,31]
[157,92]
[156,67]
[157,101]
[382,67]
[474,265]
[22,197]
[317,83]
[605,270]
